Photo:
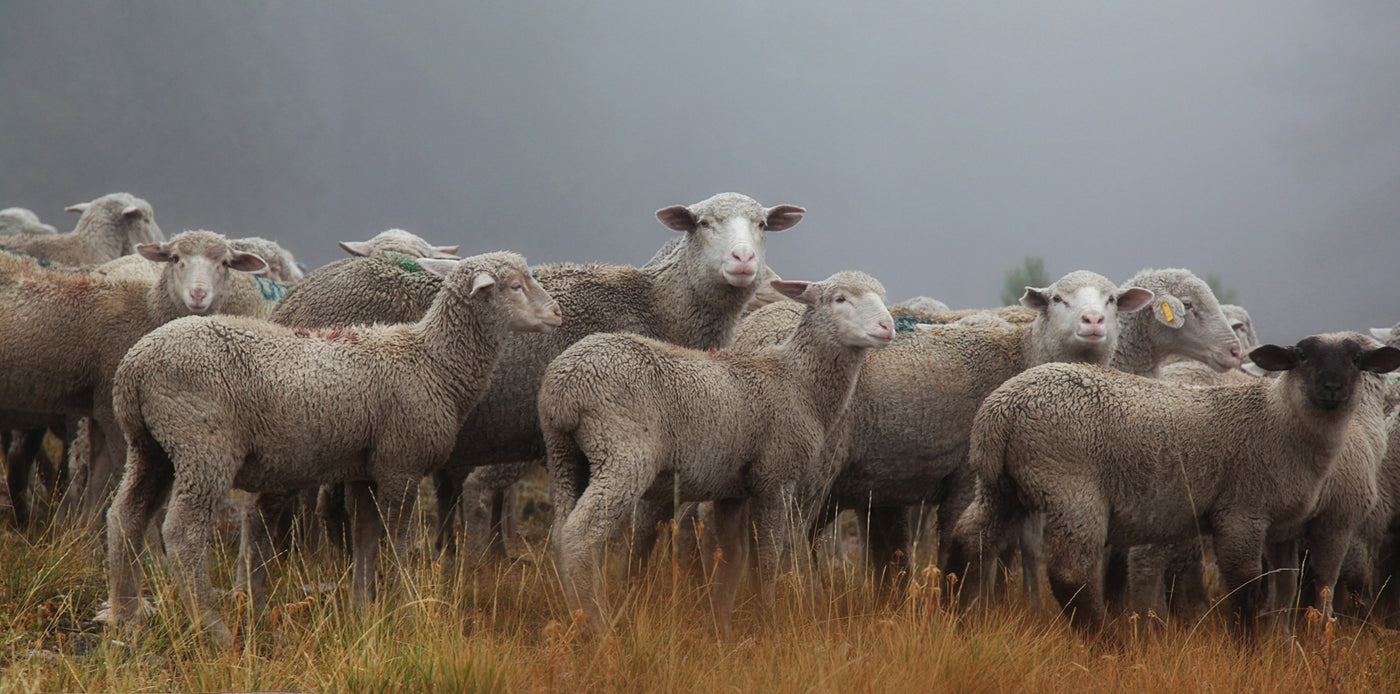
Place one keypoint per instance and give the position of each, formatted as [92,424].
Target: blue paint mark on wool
[271,291]
[905,324]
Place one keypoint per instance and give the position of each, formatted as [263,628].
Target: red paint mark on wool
[334,334]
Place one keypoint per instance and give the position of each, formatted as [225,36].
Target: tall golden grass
[504,627]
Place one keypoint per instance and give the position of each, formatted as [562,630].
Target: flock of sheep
[1118,435]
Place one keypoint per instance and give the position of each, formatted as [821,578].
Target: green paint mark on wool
[407,263]
[271,291]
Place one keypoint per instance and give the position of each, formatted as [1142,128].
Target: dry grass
[503,627]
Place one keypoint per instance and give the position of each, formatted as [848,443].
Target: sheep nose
[1092,318]
[1235,352]
[743,256]
[198,295]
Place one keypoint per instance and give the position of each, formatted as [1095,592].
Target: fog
[934,144]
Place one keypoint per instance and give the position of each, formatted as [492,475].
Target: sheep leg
[1186,581]
[977,539]
[647,517]
[775,522]
[78,453]
[1031,540]
[887,534]
[1239,549]
[333,510]
[396,496]
[189,521]
[1074,549]
[731,557]
[365,535]
[1327,544]
[581,541]
[1147,570]
[1280,592]
[142,491]
[105,467]
[447,485]
[19,465]
[256,546]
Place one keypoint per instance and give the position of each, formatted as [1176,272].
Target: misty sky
[933,143]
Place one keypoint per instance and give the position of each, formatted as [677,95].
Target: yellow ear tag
[1167,311]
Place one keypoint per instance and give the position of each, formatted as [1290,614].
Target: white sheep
[110,227]
[21,220]
[1113,458]
[64,333]
[626,417]
[208,404]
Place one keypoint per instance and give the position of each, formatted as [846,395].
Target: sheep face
[1328,367]
[1190,322]
[131,215]
[726,233]
[505,278]
[1079,312]
[1241,324]
[855,303]
[198,265]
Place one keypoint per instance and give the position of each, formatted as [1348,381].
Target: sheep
[380,283]
[398,241]
[110,226]
[1108,457]
[925,304]
[691,295]
[282,267]
[905,443]
[1186,370]
[1370,569]
[20,220]
[65,333]
[626,417]
[211,403]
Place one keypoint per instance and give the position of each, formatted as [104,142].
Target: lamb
[387,286]
[212,403]
[1116,458]
[626,417]
[20,220]
[110,226]
[65,333]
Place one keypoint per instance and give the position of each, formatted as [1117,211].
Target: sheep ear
[360,248]
[677,217]
[1134,298]
[156,252]
[248,262]
[1253,369]
[1169,311]
[131,211]
[805,292]
[448,252]
[438,266]
[1379,360]
[80,207]
[1036,299]
[766,294]
[1274,357]
[783,217]
[481,281]
[1382,334]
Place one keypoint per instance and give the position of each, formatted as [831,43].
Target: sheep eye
[1056,298]
[1188,305]
[840,299]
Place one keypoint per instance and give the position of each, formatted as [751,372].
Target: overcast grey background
[933,143]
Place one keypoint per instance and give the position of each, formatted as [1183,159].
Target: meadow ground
[503,626]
